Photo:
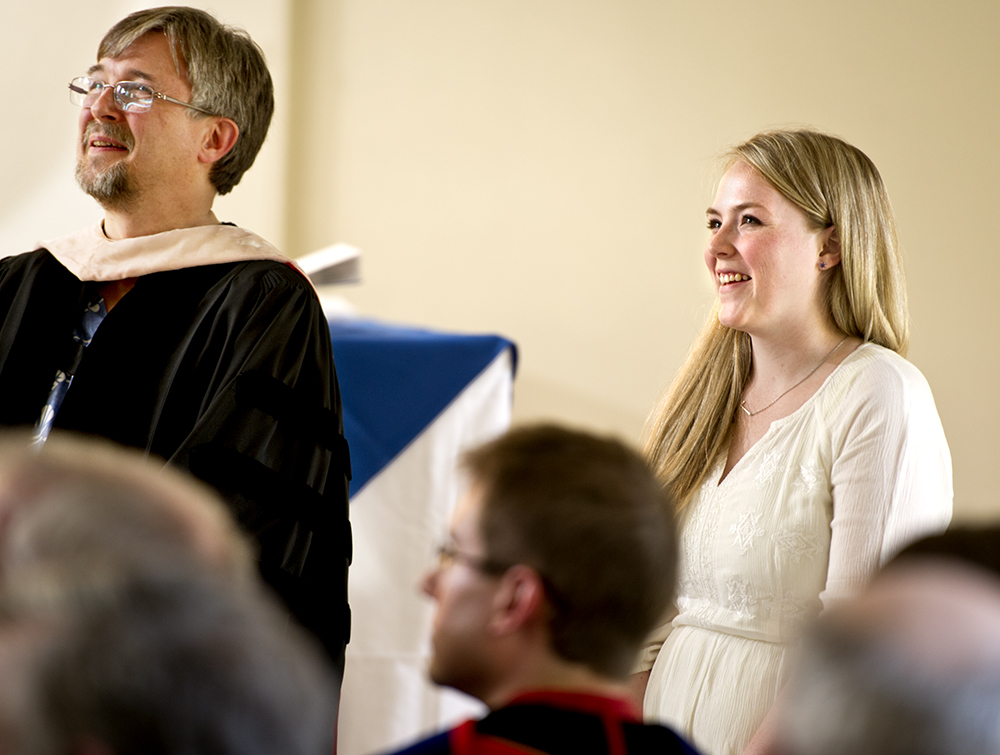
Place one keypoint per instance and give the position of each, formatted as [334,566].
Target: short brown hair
[587,514]
[226,70]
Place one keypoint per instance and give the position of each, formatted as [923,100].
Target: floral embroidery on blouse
[741,600]
[768,467]
[747,530]
[810,478]
[797,544]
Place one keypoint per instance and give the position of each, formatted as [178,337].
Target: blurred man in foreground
[131,619]
[910,668]
[559,562]
[84,505]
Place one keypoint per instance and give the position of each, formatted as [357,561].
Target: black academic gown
[226,370]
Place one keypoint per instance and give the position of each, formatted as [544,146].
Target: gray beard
[114,189]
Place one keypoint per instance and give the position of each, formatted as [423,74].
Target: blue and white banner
[413,402]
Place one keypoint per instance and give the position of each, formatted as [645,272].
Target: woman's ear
[829,254]
[219,140]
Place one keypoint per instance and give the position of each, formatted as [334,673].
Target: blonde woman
[803,449]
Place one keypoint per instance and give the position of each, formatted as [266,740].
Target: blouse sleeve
[891,473]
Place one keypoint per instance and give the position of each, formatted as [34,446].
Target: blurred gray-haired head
[83,504]
[913,666]
[132,621]
[162,664]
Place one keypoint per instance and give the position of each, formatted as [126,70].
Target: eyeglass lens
[129,96]
[446,556]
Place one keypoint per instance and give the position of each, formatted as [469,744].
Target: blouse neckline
[777,424]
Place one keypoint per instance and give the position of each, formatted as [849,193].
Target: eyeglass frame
[448,554]
[101,86]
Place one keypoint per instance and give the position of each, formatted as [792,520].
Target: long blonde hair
[833,183]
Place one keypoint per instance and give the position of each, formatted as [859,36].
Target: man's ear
[829,254]
[218,140]
[520,600]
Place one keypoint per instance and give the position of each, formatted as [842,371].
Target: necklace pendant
[785,393]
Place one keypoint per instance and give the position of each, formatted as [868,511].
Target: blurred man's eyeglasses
[449,554]
[129,96]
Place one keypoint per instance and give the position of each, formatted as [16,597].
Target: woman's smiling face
[764,257]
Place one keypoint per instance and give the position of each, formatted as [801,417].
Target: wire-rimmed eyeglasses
[128,96]
[449,554]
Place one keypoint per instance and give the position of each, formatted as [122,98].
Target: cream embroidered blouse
[808,514]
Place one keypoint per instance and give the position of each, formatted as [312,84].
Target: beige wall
[540,168]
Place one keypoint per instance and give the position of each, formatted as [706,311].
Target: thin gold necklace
[743,403]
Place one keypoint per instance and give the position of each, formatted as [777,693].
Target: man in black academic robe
[196,341]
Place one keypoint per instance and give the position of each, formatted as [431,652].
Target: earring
[822,266]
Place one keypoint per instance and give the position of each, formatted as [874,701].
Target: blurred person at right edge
[802,449]
[911,667]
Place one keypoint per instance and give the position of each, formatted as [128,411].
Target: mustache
[115,131]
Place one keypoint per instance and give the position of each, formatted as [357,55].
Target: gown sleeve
[269,438]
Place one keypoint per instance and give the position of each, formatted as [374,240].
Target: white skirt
[715,688]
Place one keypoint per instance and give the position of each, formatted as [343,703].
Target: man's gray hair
[131,616]
[85,504]
[174,663]
[225,68]
[857,693]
